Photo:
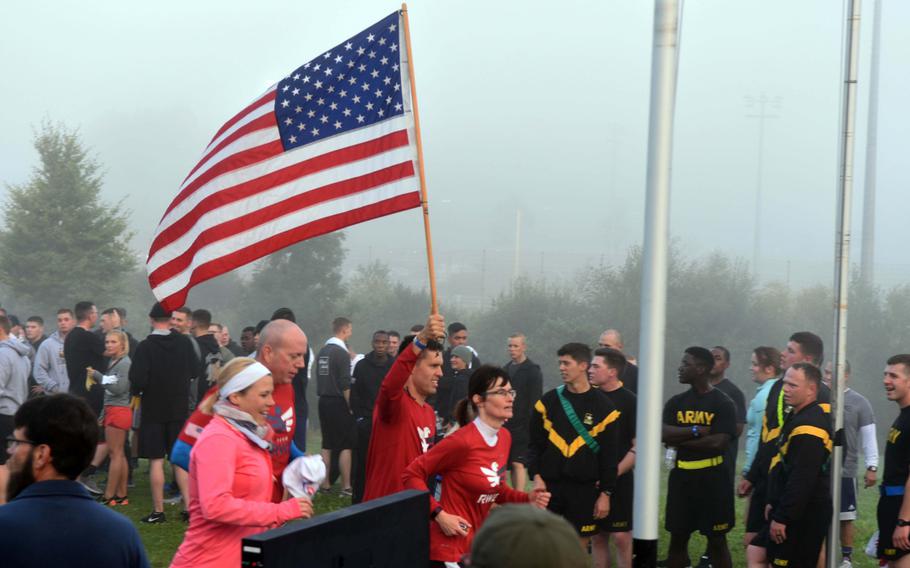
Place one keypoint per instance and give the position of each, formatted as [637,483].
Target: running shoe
[846,563]
[173,500]
[120,501]
[154,518]
[88,481]
[704,562]
[185,516]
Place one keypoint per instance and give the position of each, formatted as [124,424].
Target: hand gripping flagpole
[434,306]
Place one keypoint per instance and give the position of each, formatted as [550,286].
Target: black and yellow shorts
[804,539]
[888,511]
[700,500]
[620,517]
[574,501]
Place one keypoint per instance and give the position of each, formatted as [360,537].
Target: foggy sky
[524,105]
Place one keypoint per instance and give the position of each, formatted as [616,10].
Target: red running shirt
[402,430]
[473,478]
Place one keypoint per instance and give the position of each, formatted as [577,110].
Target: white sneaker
[846,563]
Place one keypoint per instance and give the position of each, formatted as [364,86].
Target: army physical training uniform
[897,468]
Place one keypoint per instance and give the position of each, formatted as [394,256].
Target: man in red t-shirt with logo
[404,425]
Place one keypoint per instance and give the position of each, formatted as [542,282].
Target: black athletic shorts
[519,450]
[7,426]
[339,431]
[574,501]
[804,539]
[887,513]
[700,500]
[755,520]
[157,438]
[620,517]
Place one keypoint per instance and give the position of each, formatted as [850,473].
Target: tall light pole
[867,253]
[762,102]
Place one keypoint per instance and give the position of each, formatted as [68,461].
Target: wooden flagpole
[434,306]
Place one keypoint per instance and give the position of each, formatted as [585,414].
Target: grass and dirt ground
[162,540]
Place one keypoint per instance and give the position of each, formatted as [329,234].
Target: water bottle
[670,458]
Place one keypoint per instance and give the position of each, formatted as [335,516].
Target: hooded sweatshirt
[50,366]
[160,374]
[14,370]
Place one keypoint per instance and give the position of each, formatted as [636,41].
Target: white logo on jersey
[492,474]
[288,418]
[423,434]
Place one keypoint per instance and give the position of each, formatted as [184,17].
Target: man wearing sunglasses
[53,441]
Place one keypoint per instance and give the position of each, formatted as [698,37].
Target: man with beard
[50,519]
[367,377]
[699,423]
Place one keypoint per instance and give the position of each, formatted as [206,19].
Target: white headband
[243,379]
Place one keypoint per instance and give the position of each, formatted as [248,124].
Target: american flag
[331,145]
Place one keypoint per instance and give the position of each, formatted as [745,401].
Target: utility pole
[762,102]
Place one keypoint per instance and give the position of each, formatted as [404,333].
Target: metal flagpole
[867,254]
[842,265]
[654,283]
[434,305]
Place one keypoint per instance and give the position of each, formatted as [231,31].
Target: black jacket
[527,380]
[368,375]
[160,374]
[83,349]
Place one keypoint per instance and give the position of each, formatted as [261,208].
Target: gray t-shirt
[857,413]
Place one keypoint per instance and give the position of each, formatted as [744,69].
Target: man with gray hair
[612,339]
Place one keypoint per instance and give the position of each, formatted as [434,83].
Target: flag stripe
[223,240]
[299,178]
[260,169]
[228,144]
[226,263]
[254,108]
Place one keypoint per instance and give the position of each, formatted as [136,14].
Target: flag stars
[317,67]
[292,139]
[308,96]
[371,55]
[382,41]
[371,37]
[328,71]
[369,106]
[331,88]
[362,68]
[323,119]
[386,80]
[381,113]
[393,47]
[307,66]
[374,73]
[296,76]
[348,46]
[306,79]
[314,132]
[285,103]
[320,101]
[311,113]
[333,106]
[352,81]
[356,99]
[337,125]
[346,112]
[327,55]
[378,93]
[397,87]
[395,67]
[342,93]
[350,63]
[288,121]
[298,109]
[318,84]
[301,126]
[360,118]
[388,100]
[392,27]
[365,86]
[398,106]
[284,89]
[361,50]
[295,92]
[339,59]
[384,60]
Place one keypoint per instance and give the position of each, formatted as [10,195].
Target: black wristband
[435,512]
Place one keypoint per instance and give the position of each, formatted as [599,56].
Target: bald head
[611,339]
[282,348]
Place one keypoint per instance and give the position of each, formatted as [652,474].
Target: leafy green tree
[60,242]
[305,277]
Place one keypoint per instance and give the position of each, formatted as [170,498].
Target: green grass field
[161,541]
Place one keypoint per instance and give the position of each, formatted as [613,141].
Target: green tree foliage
[305,277]
[60,242]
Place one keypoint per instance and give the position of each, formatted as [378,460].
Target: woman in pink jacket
[231,472]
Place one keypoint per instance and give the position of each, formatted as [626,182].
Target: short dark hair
[36,319]
[417,328]
[248,328]
[701,356]
[258,329]
[613,358]
[432,345]
[811,372]
[725,351]
[5,324]
[767,357]
[185,310]
[284,314]
[482,379]
[393,333]
[83,309]
[580,352]
[66,311]
[13,320]
[66,424]
[202,318]
[810,344]
[339,324]
[109,311]
[901,359]
[380,332]
[456,326]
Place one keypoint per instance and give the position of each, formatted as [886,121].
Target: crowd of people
[421,411]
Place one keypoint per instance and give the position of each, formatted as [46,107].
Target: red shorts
[118,416]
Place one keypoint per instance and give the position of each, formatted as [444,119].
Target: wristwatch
[695,433]
[903,523]
[872,468]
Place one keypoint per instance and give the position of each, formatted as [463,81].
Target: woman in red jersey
[472,463]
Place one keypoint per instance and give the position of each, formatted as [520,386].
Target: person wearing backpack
[573,445]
